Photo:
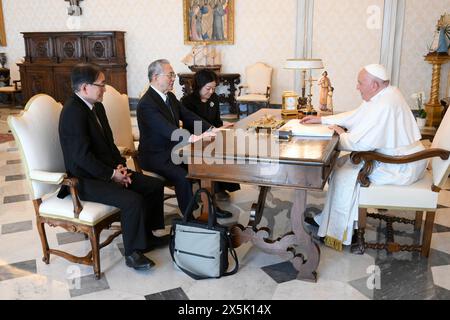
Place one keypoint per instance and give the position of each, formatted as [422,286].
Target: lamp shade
[303,64]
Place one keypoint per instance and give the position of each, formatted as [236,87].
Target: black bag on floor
[201,249]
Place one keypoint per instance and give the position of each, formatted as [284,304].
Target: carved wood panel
[64,89]
[50,57]
[68,48]
[99,48]
[37,81]
[40,49]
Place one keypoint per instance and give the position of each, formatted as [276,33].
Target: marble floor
[341,275]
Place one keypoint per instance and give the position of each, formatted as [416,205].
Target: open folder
[309,130]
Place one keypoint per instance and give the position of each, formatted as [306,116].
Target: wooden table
[229,80]
[303,163]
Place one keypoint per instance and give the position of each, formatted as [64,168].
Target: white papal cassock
[384,124]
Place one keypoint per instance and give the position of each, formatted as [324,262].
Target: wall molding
[392,37]
[304,33]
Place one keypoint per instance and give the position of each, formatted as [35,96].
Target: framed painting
[208,22]
[2,27]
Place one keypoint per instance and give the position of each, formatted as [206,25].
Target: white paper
[310,130]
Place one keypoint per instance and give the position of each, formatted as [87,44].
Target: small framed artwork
[208,22]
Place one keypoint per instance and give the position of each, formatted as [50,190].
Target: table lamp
[305,64]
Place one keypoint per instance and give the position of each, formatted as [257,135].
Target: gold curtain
[2,27]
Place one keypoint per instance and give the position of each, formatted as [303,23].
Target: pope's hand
[311,119]
[337,129]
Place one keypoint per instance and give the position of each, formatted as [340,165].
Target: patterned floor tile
[69,237]
[18,269]
[174,294]
[440,276]
[403,276]
[15,177]
[322,290]
[87,284]
[17,198]
[281,272]
[17,227]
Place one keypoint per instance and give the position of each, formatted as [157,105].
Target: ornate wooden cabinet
[50,57]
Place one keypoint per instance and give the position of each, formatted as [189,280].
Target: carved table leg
[287,246]
[307,247]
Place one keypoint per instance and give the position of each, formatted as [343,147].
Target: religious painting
[208,21]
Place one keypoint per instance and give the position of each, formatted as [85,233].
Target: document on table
[309,130]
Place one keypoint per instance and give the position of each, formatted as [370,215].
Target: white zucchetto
[378,71]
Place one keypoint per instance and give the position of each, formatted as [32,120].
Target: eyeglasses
[170,75]
[101,85]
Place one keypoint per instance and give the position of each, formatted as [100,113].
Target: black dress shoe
[223,214]
[311,221]
[138,261]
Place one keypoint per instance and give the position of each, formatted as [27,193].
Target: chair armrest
[16,86]
[48,177]
[268,91]
[242,87]
[60,178]
[72,183]
[129,153]
[370,156]
[125,152]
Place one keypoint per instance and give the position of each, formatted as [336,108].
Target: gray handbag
[201,249]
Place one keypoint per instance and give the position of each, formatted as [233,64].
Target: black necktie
[170,107]
[94,110]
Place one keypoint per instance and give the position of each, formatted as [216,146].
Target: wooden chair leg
[44,242]
[418,223]
[427,233]
[360,245]
[94,239]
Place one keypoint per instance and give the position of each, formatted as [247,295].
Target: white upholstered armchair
[421,197]
[256,90]
[118,112]
[36,134]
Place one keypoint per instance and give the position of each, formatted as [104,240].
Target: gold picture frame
[2,27]
[289,103]
[201,24]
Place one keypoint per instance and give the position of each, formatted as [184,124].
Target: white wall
[154,29]
[264,31]
[420,23]
[345,43]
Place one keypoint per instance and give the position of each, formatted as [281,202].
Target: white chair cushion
[441,168]
[91,214]
[252,97]
[416,196]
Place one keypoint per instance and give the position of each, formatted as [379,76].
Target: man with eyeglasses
[91,156]
[159,114]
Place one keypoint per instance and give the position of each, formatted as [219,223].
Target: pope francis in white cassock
[383,123]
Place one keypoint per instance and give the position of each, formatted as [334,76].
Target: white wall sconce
[74,8]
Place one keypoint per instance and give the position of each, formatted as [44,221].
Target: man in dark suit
[91,156]
[159,114]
